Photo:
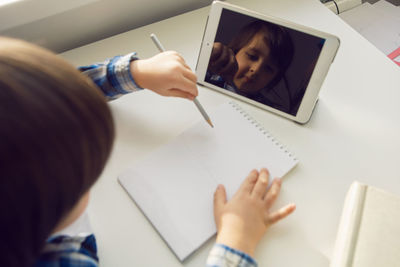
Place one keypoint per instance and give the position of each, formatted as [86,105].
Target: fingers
[219,202]
[174,55]
[187,86]
[280,214]
[186,82]
[230,66]
[179,93]
[272,193]
[190,75]
[260,188]
[216,51]
[181,60]
[248,184]
[222,62]
[190,81]
[269,199]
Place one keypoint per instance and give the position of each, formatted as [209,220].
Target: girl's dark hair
[56,134]
[278,40]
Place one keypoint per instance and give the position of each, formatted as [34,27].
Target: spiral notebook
[174,185]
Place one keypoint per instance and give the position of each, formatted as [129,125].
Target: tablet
[274,64]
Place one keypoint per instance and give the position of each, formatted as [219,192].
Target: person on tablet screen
[253,62]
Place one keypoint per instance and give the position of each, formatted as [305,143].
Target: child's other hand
[242,221]
[166,74]
[223,61]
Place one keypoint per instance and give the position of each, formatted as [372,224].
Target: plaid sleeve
[113,76]
[221,255]
[66,251]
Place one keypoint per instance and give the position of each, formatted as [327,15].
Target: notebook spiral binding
[262,129]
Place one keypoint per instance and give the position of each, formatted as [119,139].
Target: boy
[56,135]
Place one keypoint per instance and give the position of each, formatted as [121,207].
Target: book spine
[346,239]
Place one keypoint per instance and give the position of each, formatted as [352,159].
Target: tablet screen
[262,61]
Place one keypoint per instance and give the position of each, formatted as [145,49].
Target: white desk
[353,134]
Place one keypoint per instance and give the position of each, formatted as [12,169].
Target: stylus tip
[209,122]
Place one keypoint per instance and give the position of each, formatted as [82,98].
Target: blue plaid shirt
[224,256]
[113,76]
[65,251]
[114,79]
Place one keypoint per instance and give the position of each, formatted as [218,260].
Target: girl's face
[255,69]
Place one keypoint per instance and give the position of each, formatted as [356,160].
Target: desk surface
[353,134]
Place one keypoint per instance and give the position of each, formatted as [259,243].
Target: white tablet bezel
[310,97]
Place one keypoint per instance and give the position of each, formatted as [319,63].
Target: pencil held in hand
[196,102]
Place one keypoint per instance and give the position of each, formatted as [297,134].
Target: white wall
[63,25]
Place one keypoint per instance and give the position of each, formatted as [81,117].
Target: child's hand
[166,74]
[223,61]
[242,221]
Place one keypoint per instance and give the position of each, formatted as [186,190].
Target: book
[174,185]
[369,229]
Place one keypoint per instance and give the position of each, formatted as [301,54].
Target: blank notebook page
[174,185]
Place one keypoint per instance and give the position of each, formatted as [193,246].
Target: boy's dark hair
[278,39]
[56,134]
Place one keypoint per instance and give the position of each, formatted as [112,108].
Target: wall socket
[339,6]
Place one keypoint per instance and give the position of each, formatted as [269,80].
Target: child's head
[263,52]
[56,134]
